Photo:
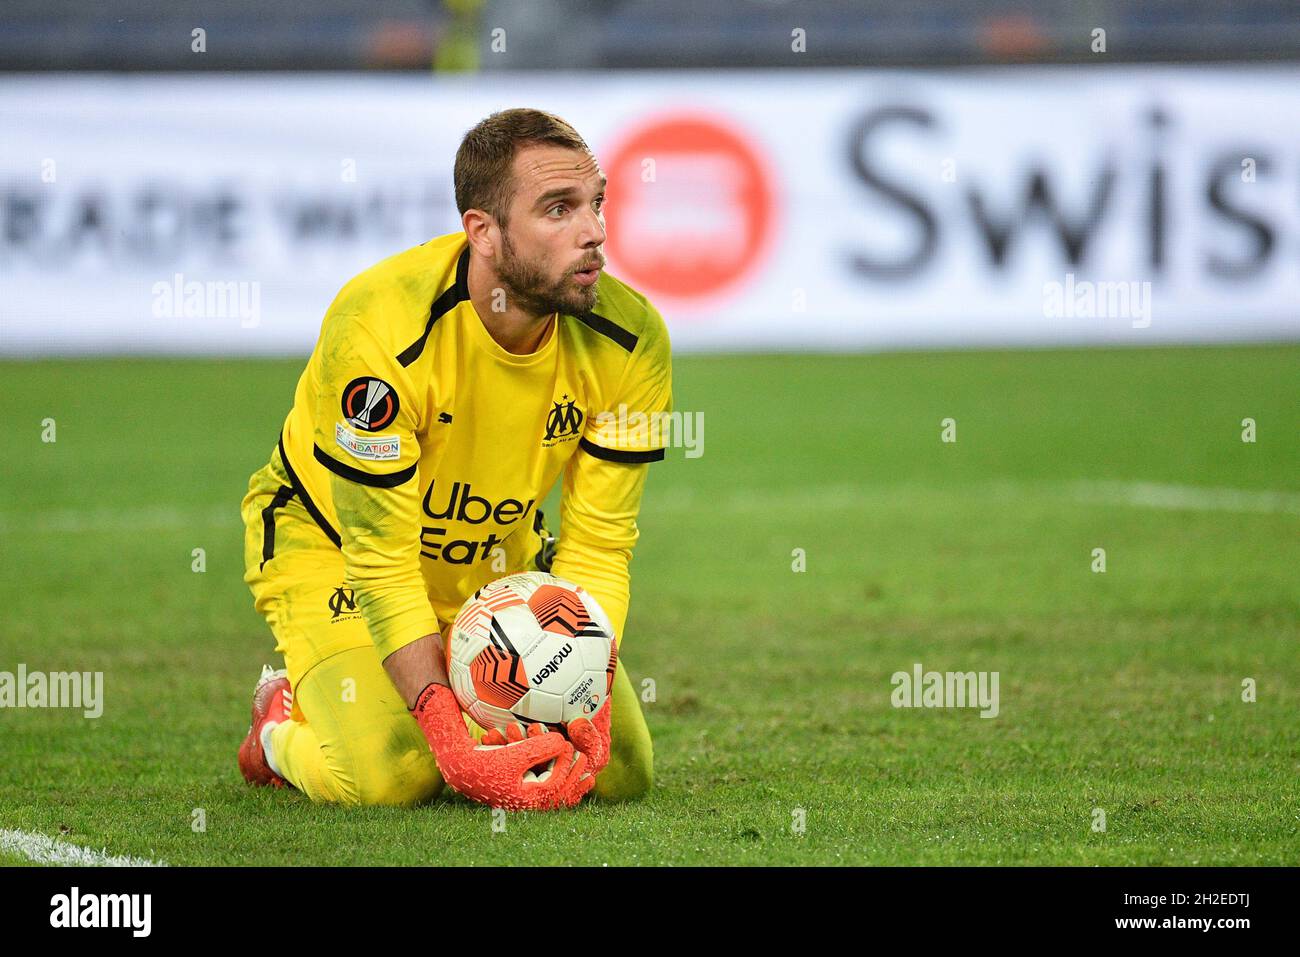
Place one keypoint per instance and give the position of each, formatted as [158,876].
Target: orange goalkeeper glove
[538,771]
[590,738]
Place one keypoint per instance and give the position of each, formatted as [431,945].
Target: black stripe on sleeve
[312,510]
[455,293]
[611,330]
[389,480]
[618,455]
[282,495]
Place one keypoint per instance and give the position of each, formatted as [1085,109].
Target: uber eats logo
[463,506]
[563,422]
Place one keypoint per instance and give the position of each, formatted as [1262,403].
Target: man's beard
[528,288]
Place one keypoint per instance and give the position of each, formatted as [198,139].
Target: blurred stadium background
[1072,228]
[631,34]
[889,177]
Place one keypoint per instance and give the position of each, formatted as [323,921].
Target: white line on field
[1188,497]
[151,519]
[47,850]
[846,497]
[812,498]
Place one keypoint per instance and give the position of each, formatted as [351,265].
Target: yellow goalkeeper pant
[351,739]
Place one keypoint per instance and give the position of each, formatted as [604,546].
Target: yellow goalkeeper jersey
[423,448]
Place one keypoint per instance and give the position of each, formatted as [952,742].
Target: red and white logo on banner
[692,208]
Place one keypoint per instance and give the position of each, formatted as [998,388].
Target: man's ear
[482,231]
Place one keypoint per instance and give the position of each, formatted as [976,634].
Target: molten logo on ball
[532,648]
[553,666]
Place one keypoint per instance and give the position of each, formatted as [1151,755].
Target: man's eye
[559,206]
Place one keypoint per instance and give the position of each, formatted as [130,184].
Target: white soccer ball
[531,648]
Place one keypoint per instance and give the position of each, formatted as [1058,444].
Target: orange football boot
[272,703]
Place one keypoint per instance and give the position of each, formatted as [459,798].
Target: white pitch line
[47,850]
[1193,498]
[151,519]
[847,497]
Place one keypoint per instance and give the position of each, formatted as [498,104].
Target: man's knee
[372,751]
[629,774]
[410,780]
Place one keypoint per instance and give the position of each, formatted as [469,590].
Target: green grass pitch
[1119,690]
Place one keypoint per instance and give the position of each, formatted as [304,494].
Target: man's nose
[593,232]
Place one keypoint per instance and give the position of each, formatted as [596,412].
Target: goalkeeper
[452,385]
